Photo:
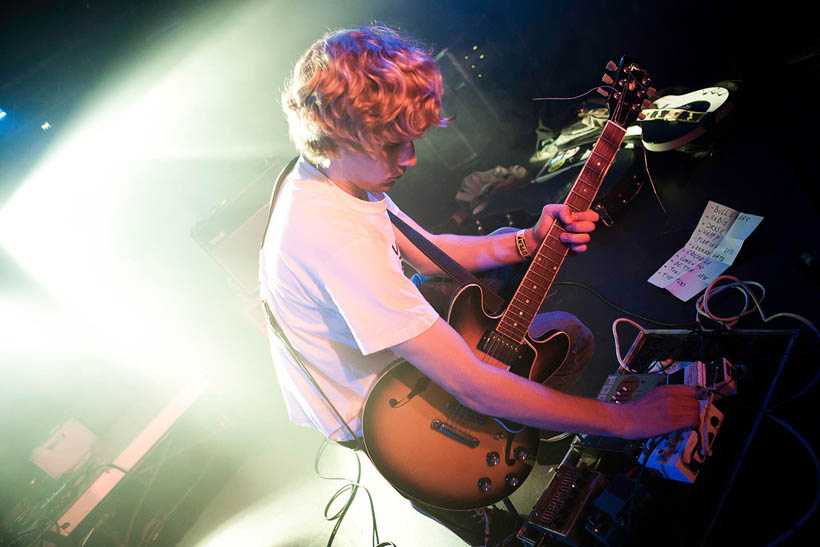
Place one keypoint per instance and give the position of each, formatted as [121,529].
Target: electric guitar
[676,120]
[419,437]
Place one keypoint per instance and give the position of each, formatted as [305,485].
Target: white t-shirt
[331,273]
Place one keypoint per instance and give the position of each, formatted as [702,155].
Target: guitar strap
[277,330]
[449,266]
[492,301]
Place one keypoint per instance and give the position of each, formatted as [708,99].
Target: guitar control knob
[499,435]
[493,458]
[521,453]
[512,480]
[484,484]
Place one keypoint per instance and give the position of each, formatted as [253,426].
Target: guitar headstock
[628,90]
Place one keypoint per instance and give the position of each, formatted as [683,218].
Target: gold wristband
[521,243]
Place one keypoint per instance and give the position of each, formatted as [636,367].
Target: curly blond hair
[362,89]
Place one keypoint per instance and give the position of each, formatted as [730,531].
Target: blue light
[2,113]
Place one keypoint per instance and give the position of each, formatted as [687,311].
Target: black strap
[298,358]
[492,301]
[275,193]
[277,330]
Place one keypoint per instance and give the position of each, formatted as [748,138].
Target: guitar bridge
[460,436]
[500,347]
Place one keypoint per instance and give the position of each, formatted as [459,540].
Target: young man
[331,263]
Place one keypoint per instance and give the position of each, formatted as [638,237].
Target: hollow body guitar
[420,438]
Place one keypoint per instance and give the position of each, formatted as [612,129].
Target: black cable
[611,305]
[145,492]
[112,466]
[648,452]
[799,356]
[805,518]
[799,394]
[353,488]
[156,526]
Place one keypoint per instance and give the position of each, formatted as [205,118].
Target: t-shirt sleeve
[380,305]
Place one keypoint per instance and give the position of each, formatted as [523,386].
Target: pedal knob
[521,453]
[493,458]
[484,484]
[512,480]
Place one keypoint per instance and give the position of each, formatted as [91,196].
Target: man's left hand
[578,226]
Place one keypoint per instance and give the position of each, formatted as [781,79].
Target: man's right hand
[662,410]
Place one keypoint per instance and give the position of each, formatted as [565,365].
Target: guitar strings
[460,415]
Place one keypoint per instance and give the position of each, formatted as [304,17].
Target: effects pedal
[717,376]
[559,513]
[681,456]
[621,388]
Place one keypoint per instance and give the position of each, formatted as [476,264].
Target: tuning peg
[646,103]
[611,66]
[607,79]
[603,92]
[641,116]
[652,92]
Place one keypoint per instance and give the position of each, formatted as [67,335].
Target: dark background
[761,160]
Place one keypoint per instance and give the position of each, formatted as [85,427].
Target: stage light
[102,224]
[2,113]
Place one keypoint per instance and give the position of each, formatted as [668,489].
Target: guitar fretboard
[524,305]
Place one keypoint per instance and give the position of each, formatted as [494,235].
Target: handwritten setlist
[708,253]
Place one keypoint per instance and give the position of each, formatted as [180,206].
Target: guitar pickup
[500,347]
[461,411]
[455,434]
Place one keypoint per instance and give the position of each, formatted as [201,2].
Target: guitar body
[535,359]
[433,449]
[430,447]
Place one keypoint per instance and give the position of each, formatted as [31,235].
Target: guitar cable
[622,310]
[353,488]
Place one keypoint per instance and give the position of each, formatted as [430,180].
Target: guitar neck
[524,305]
